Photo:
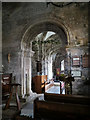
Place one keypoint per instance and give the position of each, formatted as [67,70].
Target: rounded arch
[39,25]
[43,24]
[56,50]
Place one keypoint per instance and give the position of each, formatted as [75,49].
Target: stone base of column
[33,96]
[27,109]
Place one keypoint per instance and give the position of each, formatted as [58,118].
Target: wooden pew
[74,99]
[47,110]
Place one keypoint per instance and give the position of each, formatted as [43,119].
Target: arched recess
[53,52]
[38,26]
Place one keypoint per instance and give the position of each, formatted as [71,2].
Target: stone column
[30,92]
[30,75]
[22,74]
[49,67]
[26,56]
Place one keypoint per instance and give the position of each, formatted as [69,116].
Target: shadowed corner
[0,59]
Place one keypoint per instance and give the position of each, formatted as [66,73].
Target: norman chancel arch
[31,35]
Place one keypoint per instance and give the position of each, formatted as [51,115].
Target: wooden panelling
[39,83]
[85,61]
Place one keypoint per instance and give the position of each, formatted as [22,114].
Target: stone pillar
[22,74]
[30,75]
[30,92]
[46,66]
[50,67]
[26,70]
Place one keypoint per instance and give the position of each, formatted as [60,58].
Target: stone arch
[44,23]
[39,25]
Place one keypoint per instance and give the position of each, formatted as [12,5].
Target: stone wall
[81,84]
[18,17]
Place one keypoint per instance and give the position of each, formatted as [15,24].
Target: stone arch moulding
[42,24]
[37,26]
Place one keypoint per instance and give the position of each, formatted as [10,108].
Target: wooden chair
[6,80]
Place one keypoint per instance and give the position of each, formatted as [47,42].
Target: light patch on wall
[62,65]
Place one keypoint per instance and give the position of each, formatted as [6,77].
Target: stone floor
[11,112]
[55,89]
[27,107]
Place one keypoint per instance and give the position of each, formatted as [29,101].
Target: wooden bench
[75,99]
[55,111]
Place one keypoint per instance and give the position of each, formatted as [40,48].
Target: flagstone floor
[27,108]
[55,89]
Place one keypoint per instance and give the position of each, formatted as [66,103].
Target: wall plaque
[76,73]
[85,61]
[76,61]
